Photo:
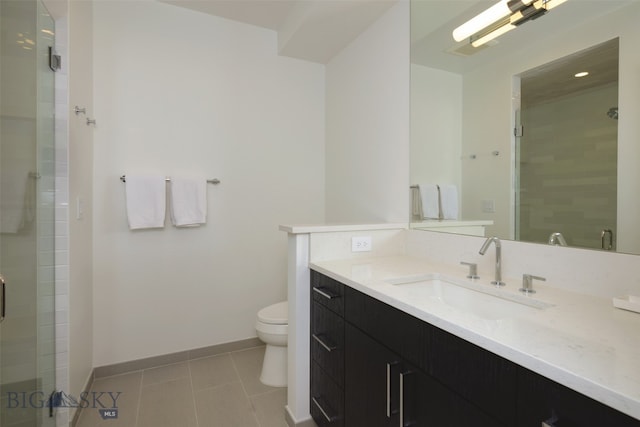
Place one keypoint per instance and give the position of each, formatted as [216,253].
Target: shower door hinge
[518,131]
[55,61]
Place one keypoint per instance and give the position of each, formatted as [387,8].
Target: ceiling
[262,13]
[557,78]
[313,30]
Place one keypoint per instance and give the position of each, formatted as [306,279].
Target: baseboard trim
[301,423]
[167,359]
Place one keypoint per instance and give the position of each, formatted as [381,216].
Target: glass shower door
[27,338]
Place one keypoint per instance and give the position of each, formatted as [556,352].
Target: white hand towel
[430,204]
[188,201]
[416,204]
[449,199]
[146,201]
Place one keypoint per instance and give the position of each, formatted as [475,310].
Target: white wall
[180,93]
[436,135]
[489,90]
[367,133]
[81,144]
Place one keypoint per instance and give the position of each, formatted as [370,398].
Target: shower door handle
[3,297]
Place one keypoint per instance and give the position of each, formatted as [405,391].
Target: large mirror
[529,149]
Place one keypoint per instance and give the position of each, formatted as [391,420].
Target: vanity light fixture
[487,18]
[581,74]
[501,18]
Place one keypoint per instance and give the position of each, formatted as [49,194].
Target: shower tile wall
[568,176]
[62,221]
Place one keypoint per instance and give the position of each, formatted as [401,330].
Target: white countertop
[582,342]
[330,228]
[437,223]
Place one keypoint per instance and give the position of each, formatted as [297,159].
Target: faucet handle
[473,270]
[527,283]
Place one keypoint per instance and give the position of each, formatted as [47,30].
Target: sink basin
[468,297]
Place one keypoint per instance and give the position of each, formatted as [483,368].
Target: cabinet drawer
[327,399]
[327,342]
[327,292]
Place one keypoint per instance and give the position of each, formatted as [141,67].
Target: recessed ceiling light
[581,74]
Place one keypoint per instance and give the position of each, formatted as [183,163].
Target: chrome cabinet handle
[389,366]
[551,422]
[388,390]
[324,293]
[401,399]
[3,295]
[315,402]
[327,347]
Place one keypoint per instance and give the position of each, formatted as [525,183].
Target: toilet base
[274,366]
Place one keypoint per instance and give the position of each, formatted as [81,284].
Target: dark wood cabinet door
[426,402]
[371,382]
[399,331]
[481,377]
[543,400]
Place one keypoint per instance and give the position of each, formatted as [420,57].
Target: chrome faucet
[498,245]
[557,239]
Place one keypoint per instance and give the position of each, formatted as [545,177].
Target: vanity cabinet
[375,365]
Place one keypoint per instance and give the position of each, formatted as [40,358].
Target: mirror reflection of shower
[566,156]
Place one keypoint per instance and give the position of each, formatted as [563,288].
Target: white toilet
[272,327]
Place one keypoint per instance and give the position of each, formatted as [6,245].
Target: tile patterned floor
[217,391]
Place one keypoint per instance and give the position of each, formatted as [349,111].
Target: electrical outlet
[361,244]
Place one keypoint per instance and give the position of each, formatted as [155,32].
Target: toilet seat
[276,314]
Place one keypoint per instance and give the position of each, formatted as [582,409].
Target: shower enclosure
[27,337]
[567,151]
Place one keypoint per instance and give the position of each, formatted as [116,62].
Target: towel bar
[123,178]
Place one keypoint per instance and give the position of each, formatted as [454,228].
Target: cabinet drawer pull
[551,422]
[389,366]
[325,293]
[327,347]
[401,399]
[315,402]
[402,375]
